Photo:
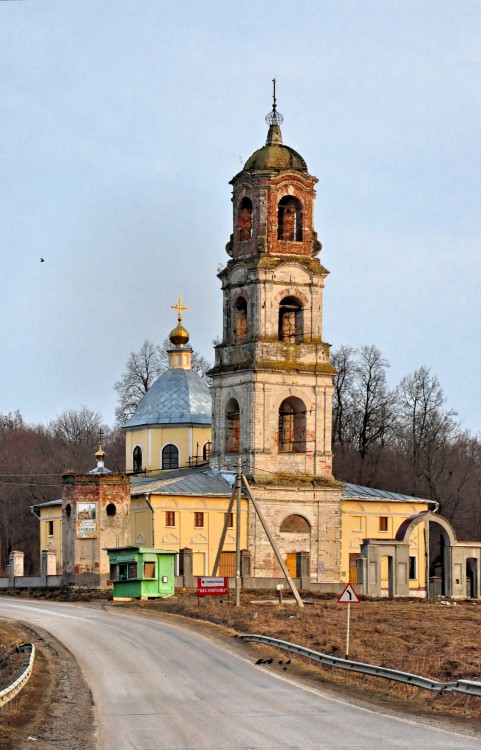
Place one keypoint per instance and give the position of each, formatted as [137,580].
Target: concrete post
[246,559]
[187,566]
[49,562]
[305,568]
[16,560]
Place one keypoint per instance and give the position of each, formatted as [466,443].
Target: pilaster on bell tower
[272,379]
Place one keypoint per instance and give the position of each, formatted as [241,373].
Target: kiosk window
[149,570]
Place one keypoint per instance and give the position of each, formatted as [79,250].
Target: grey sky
[124,120]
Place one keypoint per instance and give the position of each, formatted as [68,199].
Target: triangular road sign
[349,596]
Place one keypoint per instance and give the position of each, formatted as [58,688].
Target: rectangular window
[170,517]
[230,525]
[50,528]
[383,522]
[114,572]
[132,572]
[413,572]
[199,520]
[149,570]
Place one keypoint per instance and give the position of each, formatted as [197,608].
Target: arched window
[170,457]
[289,219]
[232,426]
[291,323]
[244,219]
[206,451]
[240,320]
[292,426]
[295,524]
[137,458]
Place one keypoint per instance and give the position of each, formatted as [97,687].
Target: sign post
[348,597]
[210,586]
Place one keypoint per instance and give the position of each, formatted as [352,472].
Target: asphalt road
[161,687]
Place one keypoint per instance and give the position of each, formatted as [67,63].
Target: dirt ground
[424,637]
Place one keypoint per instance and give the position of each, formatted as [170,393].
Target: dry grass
[422,637]
[16,716]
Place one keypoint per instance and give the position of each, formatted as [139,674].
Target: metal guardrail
[11,690]
[466,687]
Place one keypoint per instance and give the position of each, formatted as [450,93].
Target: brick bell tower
[272,378]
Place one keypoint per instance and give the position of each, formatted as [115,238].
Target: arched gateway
[459,561]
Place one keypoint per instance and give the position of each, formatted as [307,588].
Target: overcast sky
[123,122]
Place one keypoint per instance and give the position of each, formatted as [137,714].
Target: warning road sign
[349,596]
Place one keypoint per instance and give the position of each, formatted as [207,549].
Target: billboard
[86,521]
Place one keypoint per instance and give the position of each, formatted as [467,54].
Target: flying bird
[42,260]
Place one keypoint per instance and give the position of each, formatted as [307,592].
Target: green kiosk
[141,572]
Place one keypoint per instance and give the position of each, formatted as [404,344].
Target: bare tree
[142,369]
[426,427]
[342,405]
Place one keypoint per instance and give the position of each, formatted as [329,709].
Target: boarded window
[230,523]
[383,523]
[170,518]
[199,520]
[149,570]
[240,320]
[232,426]
[292,426]
[291,321]
[295,524]
[244,220]
[289,219]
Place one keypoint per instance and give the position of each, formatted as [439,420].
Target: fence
[26,670]
[465,687]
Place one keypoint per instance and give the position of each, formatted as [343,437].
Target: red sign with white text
[212,586]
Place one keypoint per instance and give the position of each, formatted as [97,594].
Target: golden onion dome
[179,336]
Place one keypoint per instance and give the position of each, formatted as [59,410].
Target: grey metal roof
[49,502]
[208,482]
[356,491]
[178,396]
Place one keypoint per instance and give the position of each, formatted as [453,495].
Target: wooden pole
[238,482]
[273,544]
[224,532]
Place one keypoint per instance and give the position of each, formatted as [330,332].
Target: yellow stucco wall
[361,520]
[203,541]
[189,441]
[52,515]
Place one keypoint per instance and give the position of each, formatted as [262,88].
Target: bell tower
[272,379]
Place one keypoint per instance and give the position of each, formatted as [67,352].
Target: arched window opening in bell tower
[206,451]
[137,459]
[170,457]
[292,426]
[289,219]
[244,220]
[240,320]
[291,323]
[232,426]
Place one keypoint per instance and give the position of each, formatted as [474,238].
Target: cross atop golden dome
[179,336]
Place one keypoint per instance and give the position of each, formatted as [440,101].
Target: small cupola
[181,353]
[100,456]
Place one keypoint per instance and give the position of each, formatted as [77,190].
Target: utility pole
[238,532]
